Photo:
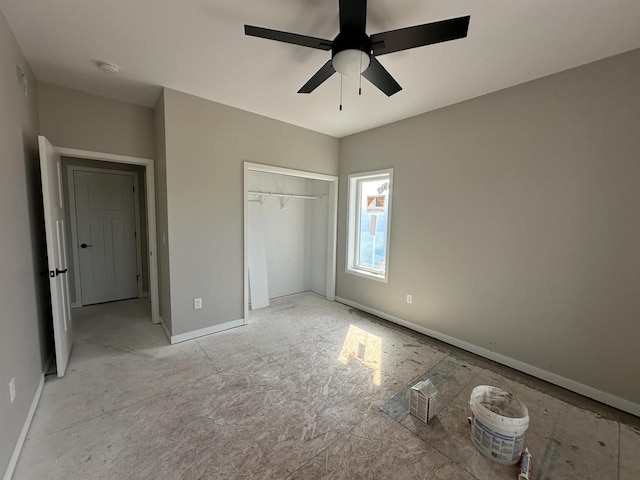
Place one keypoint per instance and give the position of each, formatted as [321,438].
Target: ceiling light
[109,68]
[351,61]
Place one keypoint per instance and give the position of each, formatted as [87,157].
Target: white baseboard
[284,293]
[322,294]
[13,461]
[206,331]
[76,305]
[587,391]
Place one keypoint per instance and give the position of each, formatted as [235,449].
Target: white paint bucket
[498,424]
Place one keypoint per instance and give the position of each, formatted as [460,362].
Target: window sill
[365,274]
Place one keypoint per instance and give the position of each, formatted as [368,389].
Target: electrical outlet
[12,389]
[409,298]
[197,303]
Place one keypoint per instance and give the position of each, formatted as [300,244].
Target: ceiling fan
[355,52]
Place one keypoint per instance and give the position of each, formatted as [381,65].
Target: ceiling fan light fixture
[351,61]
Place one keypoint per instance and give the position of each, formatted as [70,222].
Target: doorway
[55,231]
[94,182]
[290,220]
[107,231]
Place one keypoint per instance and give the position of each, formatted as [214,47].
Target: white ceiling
[199,47]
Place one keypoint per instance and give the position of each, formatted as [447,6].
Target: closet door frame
[332,226]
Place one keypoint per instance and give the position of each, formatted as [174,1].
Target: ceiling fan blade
[286,37]
[412,37]
[382,79]
[353,14]
[321,75]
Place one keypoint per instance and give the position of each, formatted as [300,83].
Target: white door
[105,219]
[51,172]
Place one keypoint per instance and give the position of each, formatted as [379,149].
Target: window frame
[355,181]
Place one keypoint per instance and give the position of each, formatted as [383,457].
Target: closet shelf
[286,195]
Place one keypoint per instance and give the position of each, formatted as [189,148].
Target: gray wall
[25,343]
[206,145]
[73,119]
[142,197]
[516,222]
[162,236]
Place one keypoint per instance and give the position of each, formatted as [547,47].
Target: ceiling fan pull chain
[341,92]
[360,86]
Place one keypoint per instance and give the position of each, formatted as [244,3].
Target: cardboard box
[424,401]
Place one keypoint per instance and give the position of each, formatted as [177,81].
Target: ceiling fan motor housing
[351,52]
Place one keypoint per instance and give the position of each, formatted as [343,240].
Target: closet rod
[287,195]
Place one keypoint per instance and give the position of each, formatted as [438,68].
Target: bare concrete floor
[295,394]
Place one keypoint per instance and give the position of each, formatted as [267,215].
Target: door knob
[84,245]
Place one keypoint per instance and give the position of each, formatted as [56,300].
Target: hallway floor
[295,394]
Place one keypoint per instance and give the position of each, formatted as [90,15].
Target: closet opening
[290,220]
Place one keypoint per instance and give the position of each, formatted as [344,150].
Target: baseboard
[286,293]
[183,337]
[322,294]
[144,295]
[76,305]
[13,461]
[585,390]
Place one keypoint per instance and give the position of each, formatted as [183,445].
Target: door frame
[74,225]
[148,164]
[332,230]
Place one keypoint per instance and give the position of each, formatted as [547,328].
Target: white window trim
[353,219]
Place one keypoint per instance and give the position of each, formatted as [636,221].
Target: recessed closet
[291,238]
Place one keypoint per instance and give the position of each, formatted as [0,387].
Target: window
[369,224]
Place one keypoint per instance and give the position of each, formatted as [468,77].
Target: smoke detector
[108,68]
